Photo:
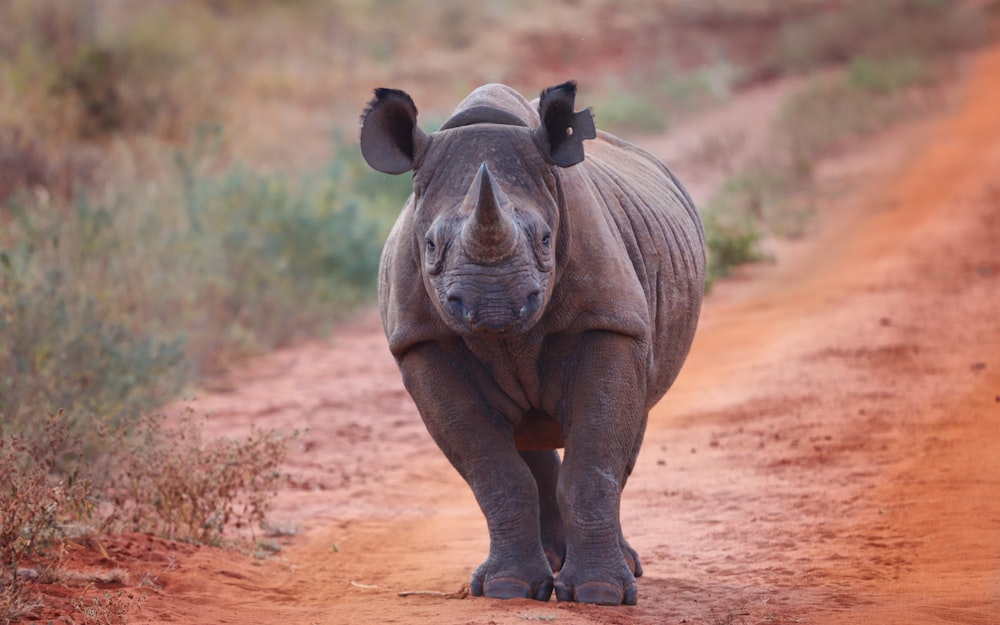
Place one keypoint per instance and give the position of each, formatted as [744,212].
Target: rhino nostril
[458,306]
[531,304]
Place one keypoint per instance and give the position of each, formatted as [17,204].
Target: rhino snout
[493,314]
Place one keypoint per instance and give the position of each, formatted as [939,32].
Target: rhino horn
[489,233]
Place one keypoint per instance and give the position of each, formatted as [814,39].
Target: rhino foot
[599,593]
[511,586]
[603,587]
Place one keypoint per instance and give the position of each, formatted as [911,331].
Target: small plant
[15,602]
[111,608]
[732,239]
[34,504]
[177,484]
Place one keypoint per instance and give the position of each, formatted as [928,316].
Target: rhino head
[486,199]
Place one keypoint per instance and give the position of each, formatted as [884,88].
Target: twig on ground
[461,593]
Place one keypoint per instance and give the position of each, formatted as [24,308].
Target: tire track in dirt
[830,454]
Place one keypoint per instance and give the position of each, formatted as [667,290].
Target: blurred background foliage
[180,185]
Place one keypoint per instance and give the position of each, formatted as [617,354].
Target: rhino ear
[390,137]
[562,132]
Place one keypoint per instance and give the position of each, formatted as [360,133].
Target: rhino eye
[547,239]
[431,247]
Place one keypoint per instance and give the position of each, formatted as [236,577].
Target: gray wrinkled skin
[540,289]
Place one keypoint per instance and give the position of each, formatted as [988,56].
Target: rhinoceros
[539,290]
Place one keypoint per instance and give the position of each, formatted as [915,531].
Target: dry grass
[183,486]
[111,608]
[33,504]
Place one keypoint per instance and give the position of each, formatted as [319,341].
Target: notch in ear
[562,131]
[390,137]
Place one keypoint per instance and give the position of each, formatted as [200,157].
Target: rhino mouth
[493,315]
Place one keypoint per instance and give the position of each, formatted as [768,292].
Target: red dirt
[830,454]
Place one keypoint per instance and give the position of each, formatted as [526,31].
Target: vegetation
[110,609]
[139,255]
[33,505]
[882,80]
[110,304]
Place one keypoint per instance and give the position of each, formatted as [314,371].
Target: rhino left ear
[390,137]
[562,132]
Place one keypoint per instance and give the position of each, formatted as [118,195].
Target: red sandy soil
[830,453]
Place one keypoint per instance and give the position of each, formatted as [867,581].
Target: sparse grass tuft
[111,608]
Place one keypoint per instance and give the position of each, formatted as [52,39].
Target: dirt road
[830,454]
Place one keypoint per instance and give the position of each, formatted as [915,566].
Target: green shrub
[65,346]
[769,196]
[733,233]
[271,261]
[111,305]
[881,77]
[623,112]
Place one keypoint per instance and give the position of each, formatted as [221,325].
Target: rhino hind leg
[544,467]
[631,557]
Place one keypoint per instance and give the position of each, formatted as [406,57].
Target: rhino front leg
[479,443]
[544,466]
[604,407]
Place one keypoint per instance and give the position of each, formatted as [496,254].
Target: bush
[150,478]
[733,237]
[868,95]
[177,484]
[68,339]
[897,28]
[271,262]
[883,77]
[34,503]
[112,303]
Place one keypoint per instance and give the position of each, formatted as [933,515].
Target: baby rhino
[540,290]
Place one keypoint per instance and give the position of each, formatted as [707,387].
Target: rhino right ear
[390,137]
